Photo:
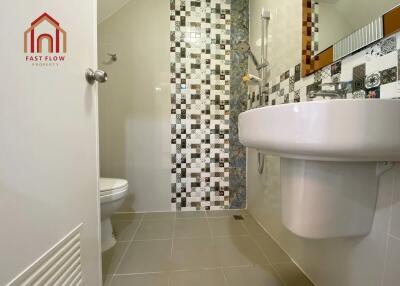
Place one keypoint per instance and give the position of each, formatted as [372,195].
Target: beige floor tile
[126,216]
[190,254]
[156,279]
[112,257]
[146,256]
[159,216]
[226,213]
[252,226]
[226,226]
[197,278]
[195,214]
[238,251]
[191,228]
[155,229]
[291,275]
[258,275]
[273,252]
[125,229]
[107,279]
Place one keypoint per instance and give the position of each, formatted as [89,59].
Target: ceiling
[107,8]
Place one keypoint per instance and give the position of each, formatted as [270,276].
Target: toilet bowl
[112,195]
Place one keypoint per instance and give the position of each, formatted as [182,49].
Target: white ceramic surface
[328,199]
[332,130]
[112,195]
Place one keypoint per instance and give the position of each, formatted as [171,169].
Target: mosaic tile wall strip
[314,27]
[238,103]
[373,72]
[307,27]
[200,87]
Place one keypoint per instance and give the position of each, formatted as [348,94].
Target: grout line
[278,244]
[172,248]
[225,277]
[180,270]
[126,251]
[388,230]
[152,239]
[141,273]
[213,242]
[255,241]
[393,236]
[275,271]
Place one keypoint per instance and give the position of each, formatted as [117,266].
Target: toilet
[112,195]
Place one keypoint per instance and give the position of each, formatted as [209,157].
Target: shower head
[244,47]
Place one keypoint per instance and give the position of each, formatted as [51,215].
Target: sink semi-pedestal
[332,154]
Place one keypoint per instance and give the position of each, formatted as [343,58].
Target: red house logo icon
[45,34]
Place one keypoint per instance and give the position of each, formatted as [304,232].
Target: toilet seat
[112,189]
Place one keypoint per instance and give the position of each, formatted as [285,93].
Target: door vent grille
[61,265]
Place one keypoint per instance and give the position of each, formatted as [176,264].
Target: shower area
[169,111]
[180,72]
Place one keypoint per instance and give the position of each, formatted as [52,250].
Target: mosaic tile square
[388,45]
[373,92]
[398,64]
[291,83]
[297,96]
[359,77]
[390,90]
[373,80]
[297,73]
[336,68]
[388,75]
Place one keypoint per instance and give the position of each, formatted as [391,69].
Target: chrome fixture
[98,75]
[244,47]
[265,17]
[333,90]
[261,66]
[113,57]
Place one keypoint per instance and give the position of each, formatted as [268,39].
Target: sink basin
[329,152]
[332,130]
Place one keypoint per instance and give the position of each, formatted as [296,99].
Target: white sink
[328,150]
[332,130]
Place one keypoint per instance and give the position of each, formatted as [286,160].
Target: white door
[49,204]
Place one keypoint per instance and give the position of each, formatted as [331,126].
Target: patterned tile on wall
[314,27]
[238,103]
[200,89]
[373,72]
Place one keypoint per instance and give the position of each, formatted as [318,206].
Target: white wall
[284,40]
[135,103]
[331,262]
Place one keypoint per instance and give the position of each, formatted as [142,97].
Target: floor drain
[237,217]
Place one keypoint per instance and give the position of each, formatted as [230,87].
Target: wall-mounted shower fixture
[261,66]
[244,47]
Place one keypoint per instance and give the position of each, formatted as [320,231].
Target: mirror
[333,29]
[347,16]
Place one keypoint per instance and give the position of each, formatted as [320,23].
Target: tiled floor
[199,248]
